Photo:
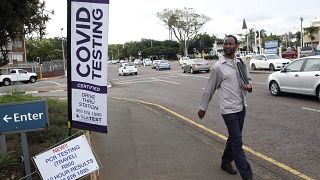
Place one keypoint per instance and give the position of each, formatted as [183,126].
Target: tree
[311,31]
[149,49]
[184,23]
[297,37]
[272,37]
[18,18]
[251,38]
[47,49]
[202,42]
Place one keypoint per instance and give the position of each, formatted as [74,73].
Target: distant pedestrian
[226,78]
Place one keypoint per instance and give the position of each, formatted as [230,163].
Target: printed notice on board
[71,160]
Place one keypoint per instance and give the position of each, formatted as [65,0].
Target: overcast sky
[131,20]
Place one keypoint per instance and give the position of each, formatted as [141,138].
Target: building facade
[17,51]
[307,40]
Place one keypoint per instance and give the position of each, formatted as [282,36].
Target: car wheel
[6,82]
[271,67]
[191,71]
[32,79]
[183,70]
[274,88]
[253,67]
[136,73]
[208,71]
[318,93]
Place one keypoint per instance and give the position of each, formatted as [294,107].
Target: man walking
[226,78]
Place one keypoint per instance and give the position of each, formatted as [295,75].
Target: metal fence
[49,68]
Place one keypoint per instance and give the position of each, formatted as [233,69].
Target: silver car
[301,76]
[196,65]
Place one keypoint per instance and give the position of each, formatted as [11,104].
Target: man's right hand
[201,113]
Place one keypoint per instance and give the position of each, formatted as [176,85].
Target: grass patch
[38,141]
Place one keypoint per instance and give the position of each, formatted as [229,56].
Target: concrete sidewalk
[143,144]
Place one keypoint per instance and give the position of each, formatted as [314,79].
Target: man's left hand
[248,87]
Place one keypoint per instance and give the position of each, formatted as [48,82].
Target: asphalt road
[284,128]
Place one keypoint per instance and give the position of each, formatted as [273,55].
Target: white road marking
[59,90]
[133,82]
[148,75]
[31,92]
[190,75]
[310,109]
[165,81]
[53,82]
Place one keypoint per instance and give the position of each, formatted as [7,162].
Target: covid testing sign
[87,78]
[71,160]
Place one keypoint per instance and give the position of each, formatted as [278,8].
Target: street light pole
[63,57]
[301,34]
[185,48]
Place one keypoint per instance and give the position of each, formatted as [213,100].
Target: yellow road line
[250,150]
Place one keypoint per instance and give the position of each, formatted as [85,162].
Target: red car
[290,54]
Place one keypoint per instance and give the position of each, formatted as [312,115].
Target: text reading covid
[89,33]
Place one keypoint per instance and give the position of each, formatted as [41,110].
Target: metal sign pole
[3,145]
[26,158]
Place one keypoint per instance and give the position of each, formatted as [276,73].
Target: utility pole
[185,47]
[63,57]
[260,47]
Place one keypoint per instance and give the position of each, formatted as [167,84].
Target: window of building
[17,43]
[18,57]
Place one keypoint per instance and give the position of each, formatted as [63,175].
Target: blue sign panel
[271,51]
[271,44]
[23,117]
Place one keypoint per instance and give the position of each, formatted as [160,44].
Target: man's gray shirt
[226,79]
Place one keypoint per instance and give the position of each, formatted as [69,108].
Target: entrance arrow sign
[6,118]
[23,117]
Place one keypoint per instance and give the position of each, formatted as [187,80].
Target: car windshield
[273,57]
[164,61]
[199,61]
[129,64]
[185,58]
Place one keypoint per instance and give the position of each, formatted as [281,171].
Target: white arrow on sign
[6,118]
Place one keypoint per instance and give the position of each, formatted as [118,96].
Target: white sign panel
[70,160]
[89,51]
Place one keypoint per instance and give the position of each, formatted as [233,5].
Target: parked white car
[268,61]
[183,61]
[17,75]
[154,63]
[127,68]
[302,76]
[137,62]
[147,62]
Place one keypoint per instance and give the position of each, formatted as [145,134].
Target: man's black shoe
[228,168]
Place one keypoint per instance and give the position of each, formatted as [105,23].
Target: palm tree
[310,31]
[251,36]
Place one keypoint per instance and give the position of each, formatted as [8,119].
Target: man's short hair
[232,36]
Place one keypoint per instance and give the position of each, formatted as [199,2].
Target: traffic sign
[23,117]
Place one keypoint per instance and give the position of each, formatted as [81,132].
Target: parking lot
[284,128]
